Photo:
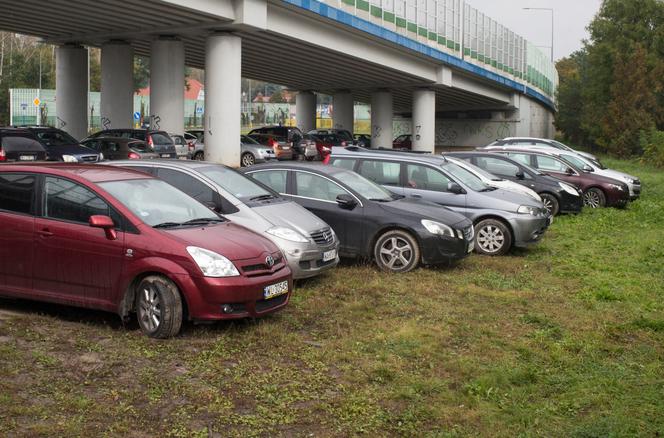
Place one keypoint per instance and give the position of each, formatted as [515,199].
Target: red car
[121,241]
[404,141]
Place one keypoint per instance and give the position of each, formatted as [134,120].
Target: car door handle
[416,196]
[45,233]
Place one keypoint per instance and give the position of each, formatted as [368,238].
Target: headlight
[287,234]
[211,263]
[527,209]
[617,187]
[438,228]
[101,156]
[69,159]
[569,189]
[628,180]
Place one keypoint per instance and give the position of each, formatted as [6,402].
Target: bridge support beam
[167,84]
[223,91]
[343,116]
[117,84]
[424,120]
[71,89]
[305,111]
[381,119]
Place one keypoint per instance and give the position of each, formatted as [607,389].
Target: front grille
[637,182]
[263,268]
[469,233]
[89,158]
[263,305]
[323,237]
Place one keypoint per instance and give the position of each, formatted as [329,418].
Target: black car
[371,222]
[557,196]
[159,141]
[17,144]
[60,146]
[121,148]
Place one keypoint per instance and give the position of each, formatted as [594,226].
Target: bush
[652,144]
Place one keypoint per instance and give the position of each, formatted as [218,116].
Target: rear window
[161,138]
[55,138]
[139,146]
[16,192]
[18,143]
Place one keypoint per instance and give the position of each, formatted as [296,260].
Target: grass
[563,339]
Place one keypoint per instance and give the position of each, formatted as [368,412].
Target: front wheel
[159,307]
[199,156]
[492,237]
[247,160]
[397,251]
[594,198]
[550,203]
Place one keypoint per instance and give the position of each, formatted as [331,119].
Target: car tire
[594,198]
[550,203]
[158,307]
[492,237]
[247,160]
[199,156]
[397,251]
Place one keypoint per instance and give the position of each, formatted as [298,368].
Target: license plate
[329,255]
[183,157]
[286,148]
[275,290]
[27,158]
[165,155]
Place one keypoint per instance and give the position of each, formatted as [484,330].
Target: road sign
[36,101]
[137,116]
[199,110]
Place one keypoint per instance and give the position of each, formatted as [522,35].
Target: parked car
[598,191]
[60,146]
[160,141]
[404,141]
[195,134]
[19,144]
[251,152]
[335,137]
[122,241]
[557,196]
[502,219]
[322,146]
[285,135]
[397,233]
[121,148]
[181,145]
[282,150]
[530,142]
[362,140]
[308,243]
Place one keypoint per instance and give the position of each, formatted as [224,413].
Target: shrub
[652,144]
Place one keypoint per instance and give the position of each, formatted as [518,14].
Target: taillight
[274,143]
[150,142]
[3,155]
[191,146]
[134,156]
[344,144]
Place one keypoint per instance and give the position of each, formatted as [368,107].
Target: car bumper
[528,229]
[206,296]
[617,198]
[284,155]
[306,259]
[634,191]
[437,250]
[570,203]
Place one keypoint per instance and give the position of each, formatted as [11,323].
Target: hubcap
[591,199]
[548,204]
[490,238]
[395,253]
[247,160]
[149,309]
[199,157]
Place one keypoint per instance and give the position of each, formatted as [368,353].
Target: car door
[318,194]
[16,236]
[383,172]
[180,145]
[431,184]
[558,169]
[73,261]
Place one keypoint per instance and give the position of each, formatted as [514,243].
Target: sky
[570,20]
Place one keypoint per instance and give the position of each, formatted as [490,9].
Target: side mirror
[346,201]
[105,223]
[519,174]
[587,168]
[454,188]
[569,171]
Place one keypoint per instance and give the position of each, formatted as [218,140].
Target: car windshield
[247,140]
[159,204]
[466,177]
[55,138]
[366,188]
[577,161]
[239,185]
[560,145]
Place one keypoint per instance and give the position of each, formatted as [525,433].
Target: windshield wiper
[202,220]
[489,189]
[167,225]
[262,197]
[381,199]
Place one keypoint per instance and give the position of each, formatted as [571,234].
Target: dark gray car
[502,218]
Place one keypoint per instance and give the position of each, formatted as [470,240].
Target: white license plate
[329,255]
[165,155]
[27,158]
[183,157]
[286,148]
[275,290]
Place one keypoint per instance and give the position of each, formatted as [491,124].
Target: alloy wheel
[591,199]
[248,160]
[490,238]
[149,310]
[396,253]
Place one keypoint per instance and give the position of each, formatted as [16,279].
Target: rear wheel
[247,160]
[159,307]
[594,198]
[397,251]
[550,203]
[492,237]
[199,156]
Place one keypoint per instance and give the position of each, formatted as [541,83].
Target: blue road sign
[199,110]
[137,116]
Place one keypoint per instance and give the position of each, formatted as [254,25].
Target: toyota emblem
[269,261]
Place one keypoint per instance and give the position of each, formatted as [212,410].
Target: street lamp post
[550,10]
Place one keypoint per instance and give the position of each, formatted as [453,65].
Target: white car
[532,142]
[494,180]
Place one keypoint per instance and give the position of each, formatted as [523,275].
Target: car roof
[322,168]
[360,152]
[12,129]
[95,173]
[118,139]
[525,138]
[478,153]
[184,164]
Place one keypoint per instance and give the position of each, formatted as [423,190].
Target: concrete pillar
[223,92]
[343,116]
[305,111]
[381,119]
[117,84]
[71,89]
[167,84]
[424,120]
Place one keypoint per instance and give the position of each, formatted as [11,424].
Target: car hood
[233,241]
[426,210]
[291,215]
[615,174]
[514,187]
[501,199]
[71,149]
[586,154]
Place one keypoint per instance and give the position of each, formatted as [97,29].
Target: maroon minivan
[121,241]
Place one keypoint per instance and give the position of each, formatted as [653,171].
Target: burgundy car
[404,141]
[119,240]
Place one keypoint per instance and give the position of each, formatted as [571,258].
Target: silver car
[533,142]
[502,219]
[308,243]
[251,152]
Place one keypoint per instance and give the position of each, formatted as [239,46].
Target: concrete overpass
[416,58]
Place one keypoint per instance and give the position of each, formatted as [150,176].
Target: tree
[141,72]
